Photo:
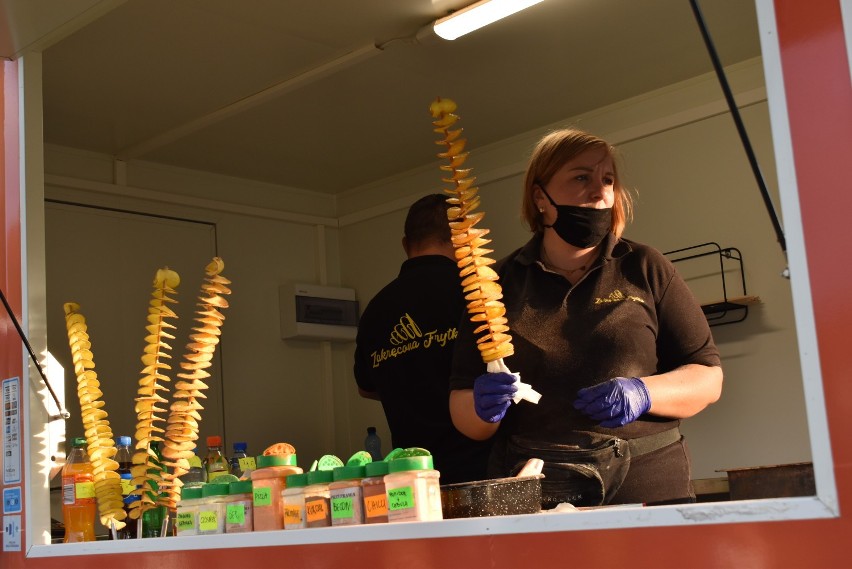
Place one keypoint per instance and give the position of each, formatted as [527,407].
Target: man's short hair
[427,220]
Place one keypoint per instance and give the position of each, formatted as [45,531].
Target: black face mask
[582,227]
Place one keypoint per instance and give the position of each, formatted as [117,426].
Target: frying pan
[520,494]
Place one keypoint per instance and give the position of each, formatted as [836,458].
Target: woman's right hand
[492,395]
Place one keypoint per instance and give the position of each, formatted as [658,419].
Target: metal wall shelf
[731,308]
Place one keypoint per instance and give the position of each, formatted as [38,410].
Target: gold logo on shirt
[405,331]
[407,336]
[618,296]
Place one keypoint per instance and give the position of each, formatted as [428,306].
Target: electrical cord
[738,122]
[63,413]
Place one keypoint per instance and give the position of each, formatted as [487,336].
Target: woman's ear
[539,199]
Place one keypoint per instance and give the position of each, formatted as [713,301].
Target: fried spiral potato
[182,425]
[99,438]
[479,281]
[148,470]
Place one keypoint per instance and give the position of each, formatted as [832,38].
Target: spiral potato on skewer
[148,471]
[99,438]
[182,425]
[479,280]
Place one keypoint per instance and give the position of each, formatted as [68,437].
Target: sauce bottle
[78,494]
[216,464]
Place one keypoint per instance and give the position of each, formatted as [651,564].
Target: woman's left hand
[615,402]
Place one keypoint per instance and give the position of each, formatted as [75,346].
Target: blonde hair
[549,155]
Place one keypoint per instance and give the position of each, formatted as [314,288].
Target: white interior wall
[269,385]
[693,185]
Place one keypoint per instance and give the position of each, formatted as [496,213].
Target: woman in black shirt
[605,329]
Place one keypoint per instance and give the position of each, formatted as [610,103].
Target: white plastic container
[293,497]
[186,520]
[413,490]
[212,512]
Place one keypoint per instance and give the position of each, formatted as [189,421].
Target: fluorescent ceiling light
[477,15]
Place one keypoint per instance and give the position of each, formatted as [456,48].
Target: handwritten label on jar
[400,498]
[316,510]
[341,508]
[236,514]
[185,521]
[247,463]
[292,515]
[376,506]
[208,521]
[263,496]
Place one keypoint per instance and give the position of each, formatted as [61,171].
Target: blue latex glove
[492,395]
[615,402]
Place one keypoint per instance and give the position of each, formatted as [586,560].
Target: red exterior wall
[10,245]
[819,98]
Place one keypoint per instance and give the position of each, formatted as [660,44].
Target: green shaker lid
[213,489]
[410,463]
[378,468]
[191,492]
[296,480]
[265,460]
[320,477]
[240,487]
[348,472]
[77,442]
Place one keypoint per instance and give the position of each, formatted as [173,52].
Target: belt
[650,443]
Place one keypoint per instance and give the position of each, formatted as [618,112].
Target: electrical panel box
[317,312]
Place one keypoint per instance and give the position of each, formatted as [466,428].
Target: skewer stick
[164,528]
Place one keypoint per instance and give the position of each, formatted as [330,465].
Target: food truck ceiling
[330,96]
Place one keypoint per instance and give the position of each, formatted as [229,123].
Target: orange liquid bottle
[78,495]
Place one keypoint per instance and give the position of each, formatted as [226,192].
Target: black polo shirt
[404,351]
[630,315]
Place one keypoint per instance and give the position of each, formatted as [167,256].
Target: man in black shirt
[405,343]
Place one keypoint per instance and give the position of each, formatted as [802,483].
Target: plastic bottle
[215,464]
[124,458]
[373,444]
[78,494]
[131,526]
[239,462]
[152,519]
